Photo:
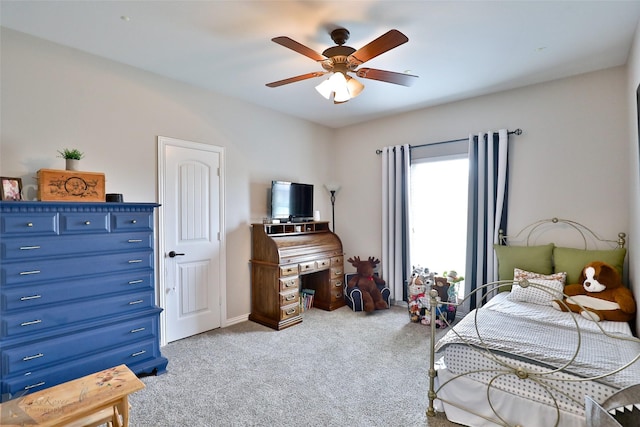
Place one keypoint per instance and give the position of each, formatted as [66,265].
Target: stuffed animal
[421,280]
[601,294]
[368,283]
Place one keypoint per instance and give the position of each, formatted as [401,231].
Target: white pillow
[536,295]
[519,274]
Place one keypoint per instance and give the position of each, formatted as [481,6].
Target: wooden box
[70,186]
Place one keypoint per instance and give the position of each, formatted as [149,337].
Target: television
[291,201]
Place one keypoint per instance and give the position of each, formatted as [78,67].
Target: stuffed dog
[600,293]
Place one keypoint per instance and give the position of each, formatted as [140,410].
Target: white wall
[572,161]
[634,164]
[54,97]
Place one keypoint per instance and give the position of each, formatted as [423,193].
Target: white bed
[517,362]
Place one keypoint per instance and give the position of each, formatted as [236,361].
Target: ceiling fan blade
[386,76]
[298,47]
[382,44]
[296,79]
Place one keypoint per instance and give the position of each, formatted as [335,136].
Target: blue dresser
[76,292]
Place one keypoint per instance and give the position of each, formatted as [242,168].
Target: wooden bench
[97,399]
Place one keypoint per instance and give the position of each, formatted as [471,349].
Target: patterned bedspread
[552,339]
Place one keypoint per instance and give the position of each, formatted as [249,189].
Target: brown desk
[92,400]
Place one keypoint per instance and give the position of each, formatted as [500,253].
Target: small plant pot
[72,164]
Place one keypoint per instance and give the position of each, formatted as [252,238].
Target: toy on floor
[368,283]
[418,299]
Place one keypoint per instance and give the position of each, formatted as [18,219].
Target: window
[439,192]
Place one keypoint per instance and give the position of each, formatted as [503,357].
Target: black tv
[291,201]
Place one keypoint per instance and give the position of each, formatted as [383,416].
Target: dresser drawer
[36,355]
[131,221]
[32,247]
[289,311]
[289,283]
[85,222]
[30,223]
[27,297]
[288,270]
[131,355]
[336,293]
[22,323]
[23,272]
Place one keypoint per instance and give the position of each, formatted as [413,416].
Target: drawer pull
[33,322]
[30,297]
[35,356]
[339,295]
[28,248]
[133,331]
[134,261]
[291,297]
[290,284]
[87,223]
[290,311]
[26,273]
[338,273]
[135,240]
[140,301]
[338,284]
[29,224]
[133,221]
[135,282]
[139,353]
[29,387]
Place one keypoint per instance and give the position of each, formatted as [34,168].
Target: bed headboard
[528,232]
[524,250]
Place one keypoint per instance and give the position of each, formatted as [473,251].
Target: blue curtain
[488,185]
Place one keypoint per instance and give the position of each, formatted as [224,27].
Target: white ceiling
[459,49]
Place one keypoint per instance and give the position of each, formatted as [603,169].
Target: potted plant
[72,158]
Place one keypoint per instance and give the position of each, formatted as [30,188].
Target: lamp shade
[342,87]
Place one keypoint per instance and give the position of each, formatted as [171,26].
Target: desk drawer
[337,284]
[30,223]
[337,271]
[323,264]
[307,266]
[287,298]
[337,261]
[288,270]
[289,311]
[289,283]
[63,315]
[53,351]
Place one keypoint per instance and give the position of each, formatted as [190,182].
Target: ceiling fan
[341,60]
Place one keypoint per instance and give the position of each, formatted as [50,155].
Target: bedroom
[583,120]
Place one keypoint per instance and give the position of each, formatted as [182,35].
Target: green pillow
[531,258]
[573,260]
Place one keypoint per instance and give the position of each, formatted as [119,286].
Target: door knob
[173,254]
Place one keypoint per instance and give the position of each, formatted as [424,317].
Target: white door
[191,237]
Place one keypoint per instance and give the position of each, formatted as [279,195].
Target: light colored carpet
[336,368]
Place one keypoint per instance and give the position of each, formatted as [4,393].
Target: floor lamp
[333,189]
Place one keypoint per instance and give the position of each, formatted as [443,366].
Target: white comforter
[551,338]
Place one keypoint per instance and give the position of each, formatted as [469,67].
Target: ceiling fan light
[325,89]
[354,86]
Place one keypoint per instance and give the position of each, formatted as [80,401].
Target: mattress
[549,373]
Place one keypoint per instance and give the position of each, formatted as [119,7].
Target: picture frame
[10,188]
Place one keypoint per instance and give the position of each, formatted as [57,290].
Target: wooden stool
[94,400]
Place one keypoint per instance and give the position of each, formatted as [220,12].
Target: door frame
[163,142]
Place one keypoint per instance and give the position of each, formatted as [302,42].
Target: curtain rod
[513,132]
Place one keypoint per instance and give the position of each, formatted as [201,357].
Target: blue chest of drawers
[76,292]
